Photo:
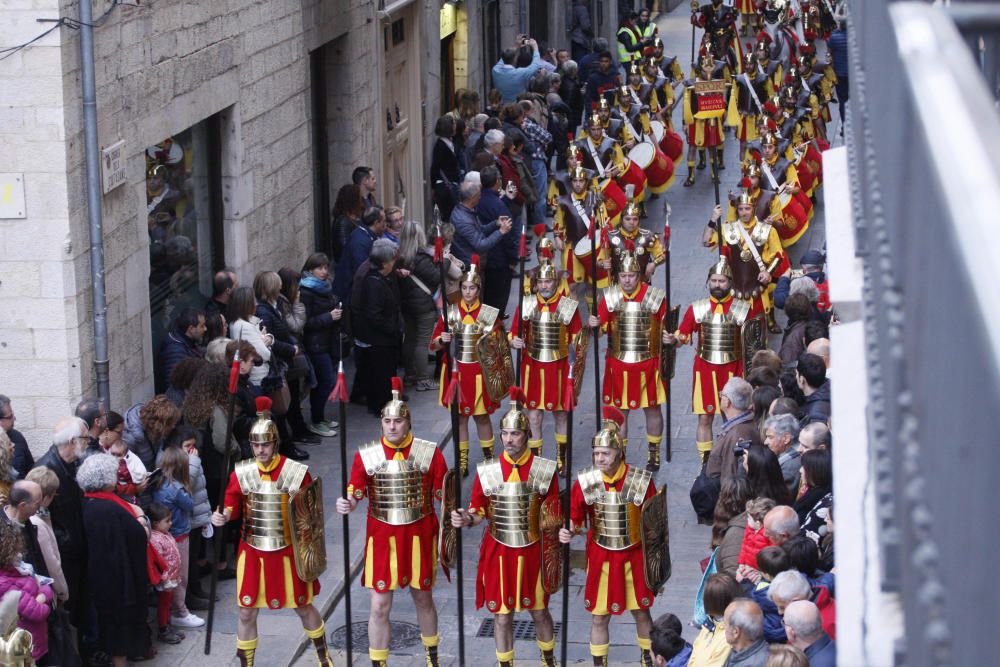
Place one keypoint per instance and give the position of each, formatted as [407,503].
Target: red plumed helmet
[397,384]
[611,413]
[475,261]
[539,230]
[263,404]
[745,183]
[516,395]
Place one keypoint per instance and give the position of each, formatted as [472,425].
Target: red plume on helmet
[745,183]
[262,404]
[475,261]
[438,250]
[516,395]
[611,413]
[397,384]
[539,230]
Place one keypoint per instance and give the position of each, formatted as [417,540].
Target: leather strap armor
[396,492]
[644,242]
[467,335]
[617,518]
[635,335]
[548,331]
[741,259]
[719,337]
[514,507]
[266,526]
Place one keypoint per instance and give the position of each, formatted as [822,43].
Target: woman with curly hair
[730,522]
[205,409]
[181,378]
[147,425]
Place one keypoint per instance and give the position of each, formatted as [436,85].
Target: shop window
[184,218]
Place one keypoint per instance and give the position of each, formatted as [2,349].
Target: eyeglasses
[9,417]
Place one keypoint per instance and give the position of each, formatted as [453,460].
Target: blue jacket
[471,237]
[174,347]
[173,496]
[822,652]
[504,254]
[359,246]
[837,43]
[682,658]
[512,81]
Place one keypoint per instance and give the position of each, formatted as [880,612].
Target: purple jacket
[33,614]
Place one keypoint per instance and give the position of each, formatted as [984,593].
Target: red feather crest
[475,261]
[630,245]
[516,395]
[263,404]
[611,413]
[745,183]
[397,384]
[539,230]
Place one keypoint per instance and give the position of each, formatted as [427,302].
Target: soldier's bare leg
[704,435]
[544,636]
[643,626]
[535,425]
[246,626]
[427,614]
[654,436]
[378,620]
[315,629]
[484,429]
[561,418]
[599,638]
[503,632]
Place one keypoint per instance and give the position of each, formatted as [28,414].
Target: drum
[634,176]
[614,198]
[582,247]
[658,129]
[643,154]
[660,172]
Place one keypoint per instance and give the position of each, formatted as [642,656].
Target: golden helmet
[602,104]
[720,268]
[628,261]
[762,51]
[744,199]
[707,61]
[473,274]
[625,96]
[515,419]
[752,169]
[263,430]
[788,96]
[578,173]
[574,153]
[595,120]
[635,67]
[546,269]
[769,139]
[633,208]
[749,61]
[396,407]
[610,434]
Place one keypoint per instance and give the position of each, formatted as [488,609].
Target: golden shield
[446,537]
[305,514]
[656,541]
[496,363]
[550,520]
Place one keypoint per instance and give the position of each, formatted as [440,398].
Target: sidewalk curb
[356,563]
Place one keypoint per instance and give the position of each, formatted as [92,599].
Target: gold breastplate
[720,339]
[397,494]
[635,335]
[468,334]
[617,515]
[514,507]
[265,524]
[548,331]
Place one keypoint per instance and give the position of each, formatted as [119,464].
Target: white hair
[97,473]
[473,177]
[739,392]
[748,617]
[789,586]
[468,190]
[74,428]
[805,285]
[784,424]
[494,138]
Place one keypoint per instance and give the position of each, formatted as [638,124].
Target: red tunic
[400,556]
[267,578]
[708,378]
[474,398]
[615,578]
[509,579]
[630,386]
[543,381]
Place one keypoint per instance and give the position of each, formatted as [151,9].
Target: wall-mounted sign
[12,196]
[113,166]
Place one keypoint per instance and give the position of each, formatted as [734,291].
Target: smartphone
[154,475]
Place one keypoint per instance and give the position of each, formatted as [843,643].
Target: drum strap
[750,245]
[597,158]
[583,212]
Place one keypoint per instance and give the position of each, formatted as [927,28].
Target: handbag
[705,494]
[62,640]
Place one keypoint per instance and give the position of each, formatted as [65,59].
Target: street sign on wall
[113,166]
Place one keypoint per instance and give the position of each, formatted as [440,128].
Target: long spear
[339,395]
[452,398]
[597,330]
[234,378]
[569,402]
[666,286]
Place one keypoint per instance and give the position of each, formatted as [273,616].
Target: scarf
[315,284]
[104,495]
[807,501]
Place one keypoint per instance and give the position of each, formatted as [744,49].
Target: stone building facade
[235,123]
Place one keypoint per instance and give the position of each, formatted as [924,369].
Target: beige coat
[50,552]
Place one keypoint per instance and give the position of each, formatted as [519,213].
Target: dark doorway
[538,20]
[320,151]
[491,42]
[448,72]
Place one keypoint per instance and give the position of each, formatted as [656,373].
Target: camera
[741,448]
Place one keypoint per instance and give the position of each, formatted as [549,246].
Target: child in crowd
[668,647]
[36,598]
[170,558]
[754,538]
[174,493]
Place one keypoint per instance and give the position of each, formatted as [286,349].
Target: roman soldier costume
[278,561]
[645,245]
[600,156]
[575,214]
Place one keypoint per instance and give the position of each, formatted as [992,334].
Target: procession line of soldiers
[775,97]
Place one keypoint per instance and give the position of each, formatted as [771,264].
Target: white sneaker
[189,621]
[332,424]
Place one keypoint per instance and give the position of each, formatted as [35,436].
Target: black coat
[66,512]
[377,317]
[321,332]
[284,341]
[413,299]
[23,460]
[343,226]
[117,573]
[446,176]
[174,347]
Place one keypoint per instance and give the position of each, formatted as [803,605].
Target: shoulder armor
[247,476]
[487,317]
[702,308]
[739,310]
[529,304]
[291,476]
[421,454]
[760,233]
[454,315]
[592,484]
[490,476]
[731,233]
[540,475]
[373,456]
[612,297]
[635,484]
[566,309]
[653,298]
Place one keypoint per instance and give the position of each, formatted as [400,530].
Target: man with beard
[401,476]
[508,493]
[718,320]
[545,325]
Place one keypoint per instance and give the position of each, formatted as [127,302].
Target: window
[183,214]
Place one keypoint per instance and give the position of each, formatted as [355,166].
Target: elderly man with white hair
[745,634]
[804,627]
[69,441]
[471,236]
[781,434]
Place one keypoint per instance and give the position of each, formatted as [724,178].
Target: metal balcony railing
[924,150]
